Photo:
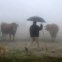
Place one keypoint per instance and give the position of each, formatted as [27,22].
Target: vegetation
[22,56]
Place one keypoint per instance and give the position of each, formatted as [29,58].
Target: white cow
[53,30]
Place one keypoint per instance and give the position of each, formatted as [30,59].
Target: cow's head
[47,27]
[14,26]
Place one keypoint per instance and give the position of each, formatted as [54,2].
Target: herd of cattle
[12,28]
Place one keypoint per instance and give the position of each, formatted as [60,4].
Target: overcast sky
[20,10]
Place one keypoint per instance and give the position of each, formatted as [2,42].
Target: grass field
[49,52]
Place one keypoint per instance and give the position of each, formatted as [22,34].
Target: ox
[53,30]
[9,29]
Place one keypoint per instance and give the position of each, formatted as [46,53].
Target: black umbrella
[36,18]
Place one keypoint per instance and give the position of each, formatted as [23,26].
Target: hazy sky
[20,10]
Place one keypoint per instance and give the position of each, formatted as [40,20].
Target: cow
[10,29]
[53,30]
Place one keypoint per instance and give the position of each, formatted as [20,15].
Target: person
[34,33]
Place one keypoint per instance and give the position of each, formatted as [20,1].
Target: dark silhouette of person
[34,32]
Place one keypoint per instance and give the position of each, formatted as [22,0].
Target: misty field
[48,52]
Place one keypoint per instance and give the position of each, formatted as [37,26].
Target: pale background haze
[19,10]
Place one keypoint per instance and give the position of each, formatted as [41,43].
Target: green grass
[22,56]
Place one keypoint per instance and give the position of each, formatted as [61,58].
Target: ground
[46,48]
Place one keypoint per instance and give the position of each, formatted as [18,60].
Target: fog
[20,10]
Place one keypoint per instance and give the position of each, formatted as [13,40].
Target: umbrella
[36,18]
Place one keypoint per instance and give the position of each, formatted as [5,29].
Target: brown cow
[52,29]
[9,29]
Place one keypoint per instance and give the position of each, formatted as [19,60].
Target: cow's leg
[52,36]
[13,37]
[3,36]
[52,39]
[10,36]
